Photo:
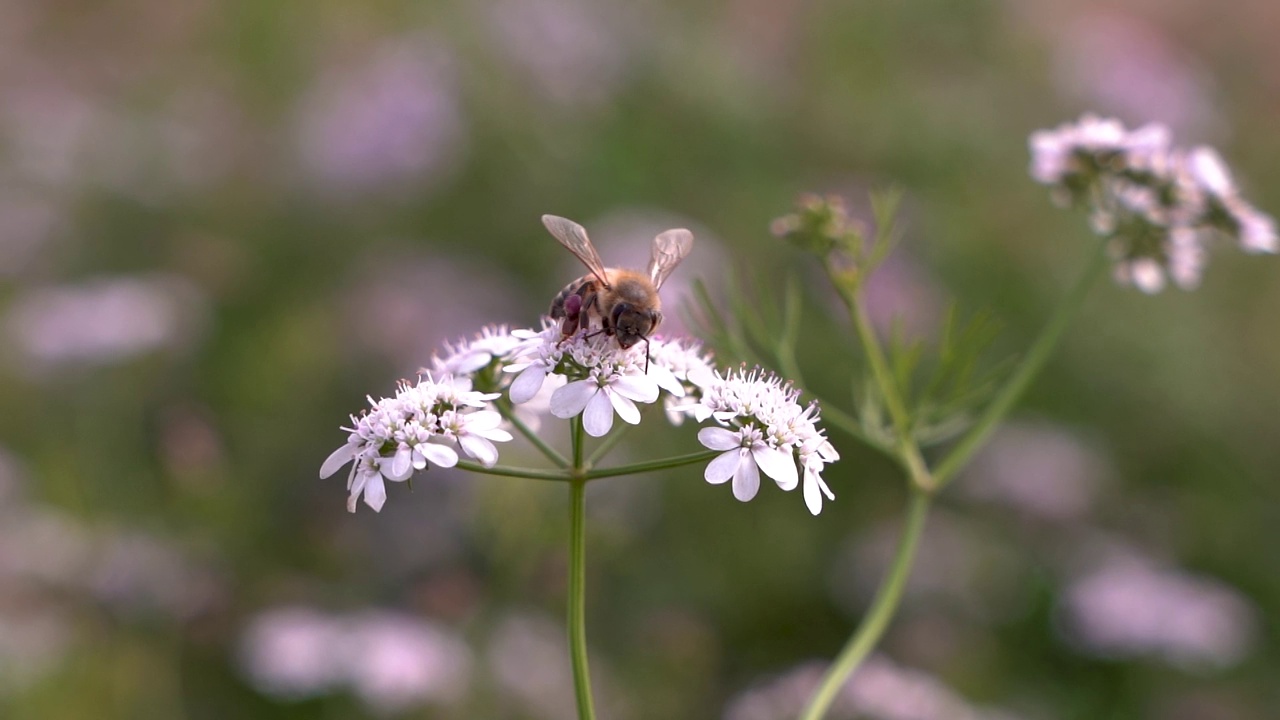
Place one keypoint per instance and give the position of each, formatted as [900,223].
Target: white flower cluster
[760,423]
[762,427]
[400,435]
[1160,205]
[468,357]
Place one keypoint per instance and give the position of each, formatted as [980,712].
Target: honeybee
[624,302]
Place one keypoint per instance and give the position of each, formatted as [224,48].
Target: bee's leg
[589,299]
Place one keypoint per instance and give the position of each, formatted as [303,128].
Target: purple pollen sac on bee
[573,305]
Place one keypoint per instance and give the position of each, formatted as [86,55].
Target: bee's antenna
[646,353]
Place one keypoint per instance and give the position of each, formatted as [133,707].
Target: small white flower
[599,397]
[474,433]
[744,452]
[816,453]
[538,355]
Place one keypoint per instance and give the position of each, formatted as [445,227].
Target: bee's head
[630,325]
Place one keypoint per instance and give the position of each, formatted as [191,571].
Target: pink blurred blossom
[1040,469]
[900,292]
[103,321]
[397,661]
[146,575]
[880,690]
[402,305]
[1127,606]
[386,122]
[293,652]
[1120,64]
[573,52]
[391,660]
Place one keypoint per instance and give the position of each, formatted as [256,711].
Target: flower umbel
[421,425]
[759,425]
[762,427]
[1160,206]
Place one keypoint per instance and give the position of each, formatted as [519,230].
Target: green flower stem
[651,465]
[577,438]
[577,619]
[515,472]
[551,454]
[875,354]
[878,616]
[1026,371]
[790,368]
[577,599]
[908,452]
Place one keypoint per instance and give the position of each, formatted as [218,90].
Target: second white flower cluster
[1160,205]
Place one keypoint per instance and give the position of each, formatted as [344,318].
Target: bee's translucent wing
[574,237]
[669,248]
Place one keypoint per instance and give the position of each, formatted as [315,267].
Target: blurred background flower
[222,225]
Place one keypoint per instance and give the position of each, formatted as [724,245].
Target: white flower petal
[441,455]
[597,420]
[724,466]
[714,438]
[527,383]
[814,489]
[746,481]
[338,458]
[480,449]
[625,408]
[482,421]
[358,481]
[1210,171]
[375,493]
[666,380]
[571,399]
[497,435]
[401,465]
[640,388]
[777,464]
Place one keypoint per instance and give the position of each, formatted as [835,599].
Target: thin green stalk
[577,438]
[507,471]
[907,450]
[1026,371]
[651,465]
[878,616]
[577,620]
[879,364]
[551,453]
